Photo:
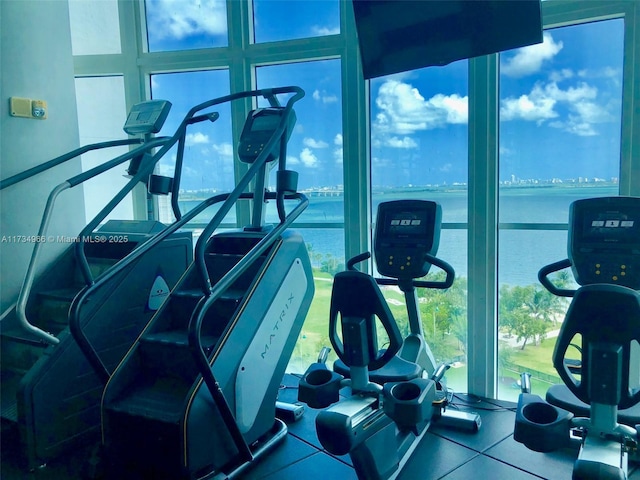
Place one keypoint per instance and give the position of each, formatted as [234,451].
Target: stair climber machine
[398,391]
[195,396]
[48,389]
[597,409]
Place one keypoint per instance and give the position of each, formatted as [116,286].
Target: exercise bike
[598,406]
[397,391]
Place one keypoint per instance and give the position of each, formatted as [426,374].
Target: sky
[560,102]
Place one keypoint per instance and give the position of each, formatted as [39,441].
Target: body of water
[521,252]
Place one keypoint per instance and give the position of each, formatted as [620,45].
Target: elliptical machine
[598,407]
[395,392]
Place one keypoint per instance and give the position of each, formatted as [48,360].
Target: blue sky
[560,102]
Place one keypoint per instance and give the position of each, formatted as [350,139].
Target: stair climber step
[20,349]
[8,399]
[52,308]
[183,303]
[169,372]
[97,266]
[160,399]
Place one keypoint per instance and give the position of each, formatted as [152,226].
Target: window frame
[242,56]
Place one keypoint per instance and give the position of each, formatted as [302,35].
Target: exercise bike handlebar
[441,264]
[543,277]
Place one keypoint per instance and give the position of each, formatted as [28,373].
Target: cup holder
[319,387]
[318,377]
[540,426]
[405,391]
[540,413]
[409,403]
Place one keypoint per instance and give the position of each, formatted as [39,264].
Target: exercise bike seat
[607,318]
[396,370]
[560,396]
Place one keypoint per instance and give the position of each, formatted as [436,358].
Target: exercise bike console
[604,243]
[405,232]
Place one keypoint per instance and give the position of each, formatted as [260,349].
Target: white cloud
[404,142]
[182,18]
[308,158]
[559,75]
[318,30]
[528,60]
[337,155]
[403,110]
[528,107]
[324,97]
[542,103]
[197,138]
[223,149]
[292,160]
[312,143]
[338,139]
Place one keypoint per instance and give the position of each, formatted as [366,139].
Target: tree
[526,311]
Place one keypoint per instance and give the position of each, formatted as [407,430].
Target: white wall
[36,62]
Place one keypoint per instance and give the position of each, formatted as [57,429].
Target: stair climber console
[195,397]
[396,392]
[598,406]
[49,391]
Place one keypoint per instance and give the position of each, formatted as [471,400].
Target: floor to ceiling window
[419,151]
[560,114]
[560,137]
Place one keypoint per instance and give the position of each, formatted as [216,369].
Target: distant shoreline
[454,188]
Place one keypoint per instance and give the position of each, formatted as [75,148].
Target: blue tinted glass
[208,158]
[288,19]
[567,92]
[186,24]
[315,146]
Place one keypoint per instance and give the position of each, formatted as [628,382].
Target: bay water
[521,252]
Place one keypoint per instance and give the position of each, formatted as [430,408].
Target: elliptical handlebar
[543,277]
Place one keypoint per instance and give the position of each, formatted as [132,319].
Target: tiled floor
[445,454]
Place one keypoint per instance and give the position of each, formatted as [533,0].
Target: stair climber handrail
[74,312]
[76,305]
[284,190]
[195,324]
[27,284]
[246,179]
[19,177]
